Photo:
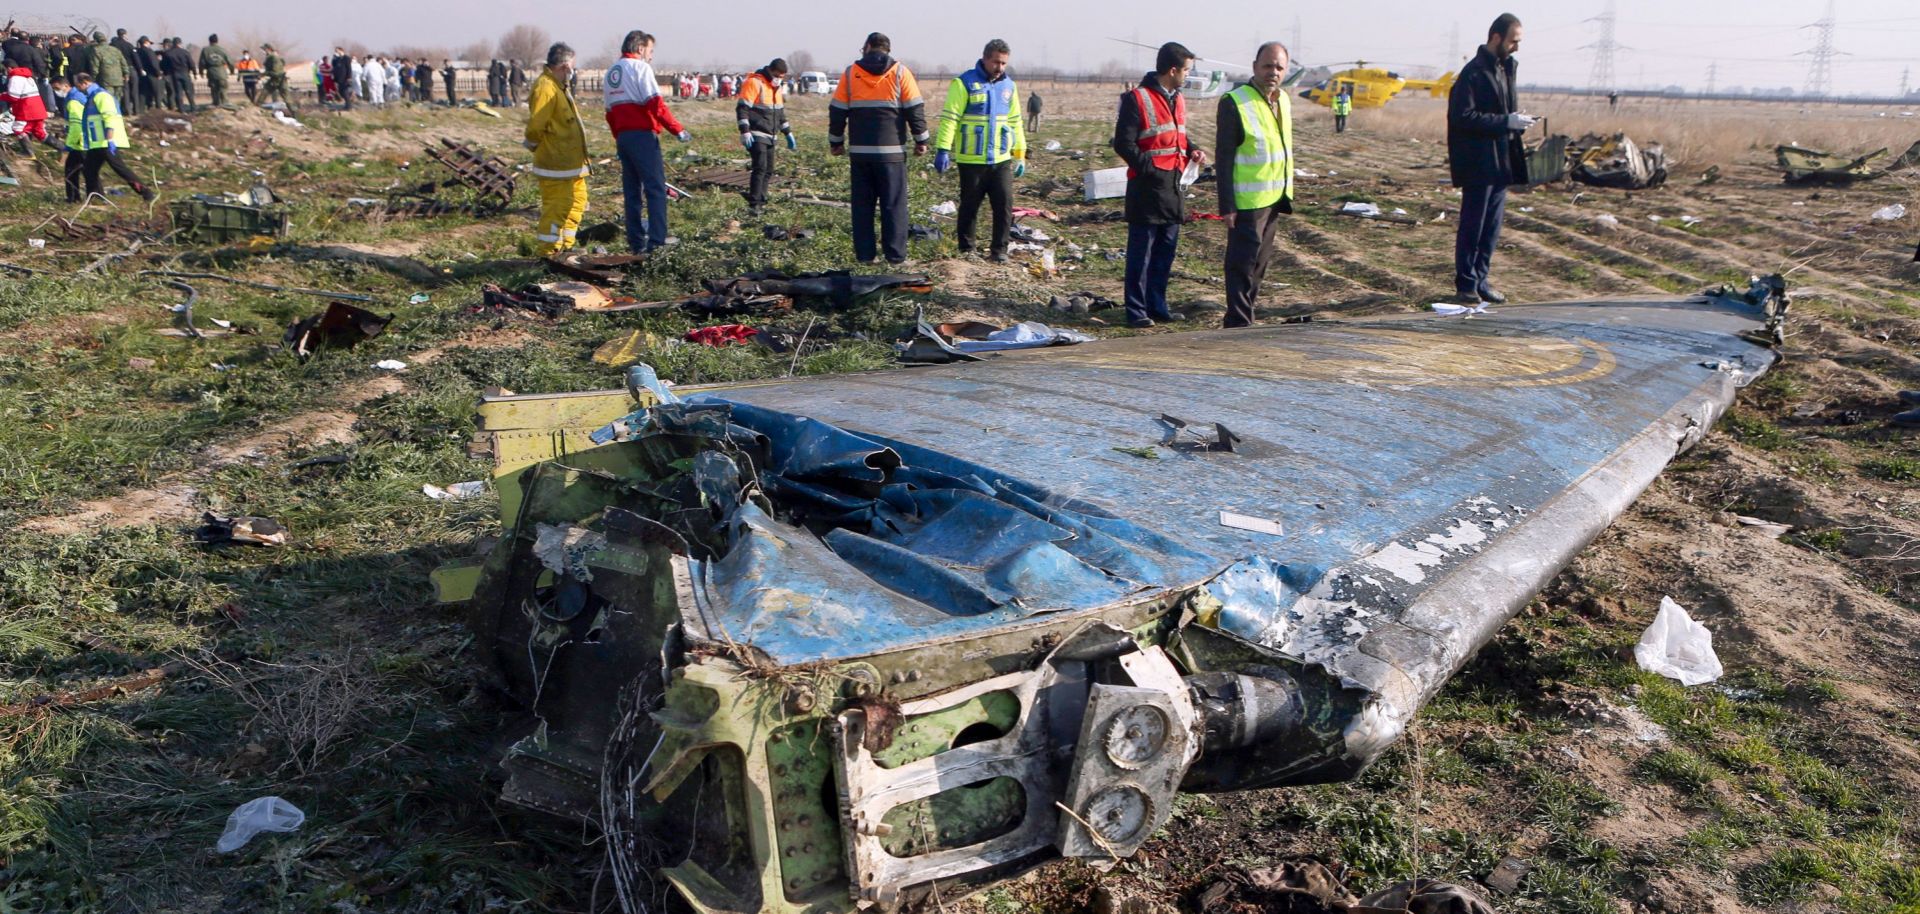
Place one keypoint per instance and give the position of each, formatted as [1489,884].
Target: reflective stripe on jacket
[877,110]
[980,123]
[1263,163]
[1343,104]
[1163,129]
[101,114]
[762,106]
[554,130]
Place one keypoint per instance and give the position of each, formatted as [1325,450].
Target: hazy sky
[1754,42]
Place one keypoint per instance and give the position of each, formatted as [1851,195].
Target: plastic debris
[1691,220]
[456,491]
[36,243]
[419,298]
[1450,309]
[720,335]
[946,209]
[1677,647]
[1361,209]
[1891,212]
[390,365]
[255,816]
[1607,220]
[1052,146]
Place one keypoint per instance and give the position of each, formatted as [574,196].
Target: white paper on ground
[1677,647]
[1450,309]
[390,365]
[456,491]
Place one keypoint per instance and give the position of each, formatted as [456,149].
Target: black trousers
[995,184]
[98,158]
[1249,250]
[252,88]
[182,92]
[452,100]
[1482,208]
[149,92]
[76,170]
[761,171]
[129,99]
[1339,123]
[883,185]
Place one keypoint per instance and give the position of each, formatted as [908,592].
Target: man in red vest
[1151,136]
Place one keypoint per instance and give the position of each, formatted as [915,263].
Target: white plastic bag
[1890,213]
[256,816]
[1677,647]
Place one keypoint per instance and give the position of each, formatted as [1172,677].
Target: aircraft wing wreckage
[826,644]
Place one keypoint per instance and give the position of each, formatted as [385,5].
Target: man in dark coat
[447,74]
[79,57]
[423,80]
[178,62]
[343,76]
[1486,155]
[1156,203]
[147,64]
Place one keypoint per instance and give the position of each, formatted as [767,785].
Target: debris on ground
[947,208]
[340,326]
[605,269]
[455,491]
[764,289]
[1890,212]
[1424,896]
[1677,647]
[256,816]
[1547,161]
[1814,166]
[931,344]
[390,365]
[246,530]
[1618,162]
[721,335]
[489,177]
[56,700]
[783,233]
[530,299]
[1449,309]
[226,219]
[625,350]
[731,178]
[1081,303]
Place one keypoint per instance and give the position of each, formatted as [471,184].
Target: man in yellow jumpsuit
[559,143]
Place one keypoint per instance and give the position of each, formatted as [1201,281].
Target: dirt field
[323,673]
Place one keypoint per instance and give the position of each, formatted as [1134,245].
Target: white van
[814,82]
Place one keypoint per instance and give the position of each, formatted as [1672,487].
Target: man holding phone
[1486,156]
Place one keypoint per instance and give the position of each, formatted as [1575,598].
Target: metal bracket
[1223,439]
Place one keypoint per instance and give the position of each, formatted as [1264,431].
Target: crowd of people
[876,115]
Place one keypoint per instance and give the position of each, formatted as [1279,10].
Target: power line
[1713,73]
[1453,47]
[1298,49]
[1905,73]
[1602,77]
[1820,72]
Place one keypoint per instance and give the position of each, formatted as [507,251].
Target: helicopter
[1372,87]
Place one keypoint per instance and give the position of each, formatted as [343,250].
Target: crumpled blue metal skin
[916,544]
[1360,440]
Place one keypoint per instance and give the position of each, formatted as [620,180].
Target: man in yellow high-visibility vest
[1253,144]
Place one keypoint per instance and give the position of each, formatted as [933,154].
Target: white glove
[685,137]
[1520,122]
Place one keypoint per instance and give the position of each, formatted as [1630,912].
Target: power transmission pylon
[1601,79]
[1453,47]
[1905,90]
[1820,72]
[1296,49]
[1713,75]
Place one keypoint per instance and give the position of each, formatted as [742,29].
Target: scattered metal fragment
[1813,166]
[1223,440]
[605,269]
[489,177]
[252,531]
[41,704]
[341,325]
[1618,162]
[254,283]
[219,220]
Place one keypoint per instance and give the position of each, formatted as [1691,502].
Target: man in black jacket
[423,80]
[178,63]
[343,77]
[1156,156]
[1486,155]
[147,65]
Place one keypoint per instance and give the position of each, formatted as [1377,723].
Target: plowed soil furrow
[1581,274]
[1351,262]
[1598,252]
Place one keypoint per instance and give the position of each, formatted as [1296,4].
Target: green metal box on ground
[208,220]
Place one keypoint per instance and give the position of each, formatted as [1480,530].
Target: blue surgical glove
[942,161]
[746,141]
[1019,168]
[791,142]
[113,148]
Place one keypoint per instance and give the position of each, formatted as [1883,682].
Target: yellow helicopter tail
[1437,88]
